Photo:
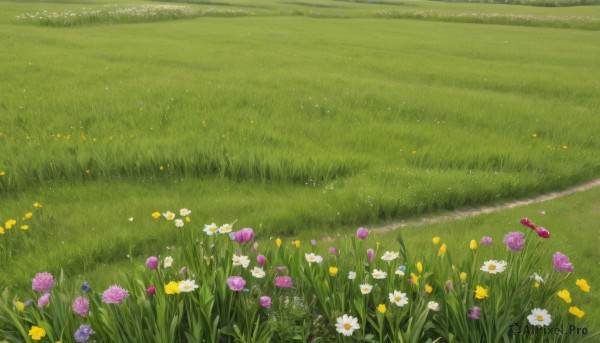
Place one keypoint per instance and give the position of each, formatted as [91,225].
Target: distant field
[296,117]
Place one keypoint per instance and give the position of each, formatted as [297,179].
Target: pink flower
[151,290]
[114,295]
[475,312]
[562,263]
[265,302]
[244,235]
[283,282]
[81,306]
[236,283]
[152,262]
[362,233]
[280,269]
[370,255]
[313,242]
[528,223]
[42,282]
[542,232]
[448,286]
[44,300]
[334,250]
[487,241]
[515,241]
[261,259]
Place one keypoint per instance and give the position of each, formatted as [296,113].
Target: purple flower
[265,302]
[475,312]
[283,282]
[85,287]
[370,255]
[151,290]
[152,262]
[114,295]
[42,282]
[261,259]
[487,241]
[528,223]
[362,233]
[542,232]
[280,269]
[313,242]
[334,250]
[562,263]
[515,241]
[244,235]
[44,300]
[236,283]
[83,333]
[81,306]
[449,286]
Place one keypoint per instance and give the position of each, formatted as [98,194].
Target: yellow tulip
[473,245]
[435,240]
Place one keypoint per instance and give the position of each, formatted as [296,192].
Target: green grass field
[297,118]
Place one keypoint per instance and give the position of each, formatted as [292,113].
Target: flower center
[397,298]
[492,267]
[540,318]
[213,229]
[347,326]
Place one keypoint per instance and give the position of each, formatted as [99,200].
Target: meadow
[295,118]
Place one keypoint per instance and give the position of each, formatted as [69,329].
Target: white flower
[258,273]
[243,261]
[352,275]
[311,258]
[398,298]
[494,267]
[184,212]
[169,215]
[179,223]
[210,229]
[537,278]
[346,325]
[399,272]
[130,219]
[379,274]
[539,317]
[390,256]
[432,305]
[187,286]
[225,228]
[365,288]
[168,261]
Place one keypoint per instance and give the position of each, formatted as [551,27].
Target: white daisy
[346,325]
[168,261]
[179,223]
[365,288]
[494,267]
[537,278]
[258,272]
[539,317]
[225,228]
[210,229]
[243,261]
[379,274]
[187,286]
[432,305]
[398,298]
[184,212]
[390,256]
[312,258]
[169,215]
[352,275]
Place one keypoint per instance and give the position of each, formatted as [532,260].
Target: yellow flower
[296,243]
[414,279]
[2,173]
[442,250]
[19,306]
[28,215]
[435,240]
[536,284]
[24,227]
[161,168]
[333,271]
[534,135]
[156,215]
[37,333]
[419,267]
[37,205]
[381,308]
[278,242]
[463,276]
[480,292]
[10,223]
[377,245]
[583,285]
[564,295]
[1,230]
[428,289]
[565,147]
[473,245]
[576,312]
[172,288]
[188,219]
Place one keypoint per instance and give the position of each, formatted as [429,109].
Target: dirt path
[460,214]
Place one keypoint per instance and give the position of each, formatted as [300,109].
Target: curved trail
[460,214]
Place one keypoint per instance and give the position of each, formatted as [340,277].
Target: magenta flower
[362,233]
[487,241]
[261,259]
[236,283]
[515,241]
[528,223]
[334,250]
[283,282]
[562,263]
[81,306]
[44,300]
[42,282]
[151,290]
[152,262]
[114,295]
[370,255]
[265,302]
[244,235]
[542,232]
[280,269]
[475,312]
